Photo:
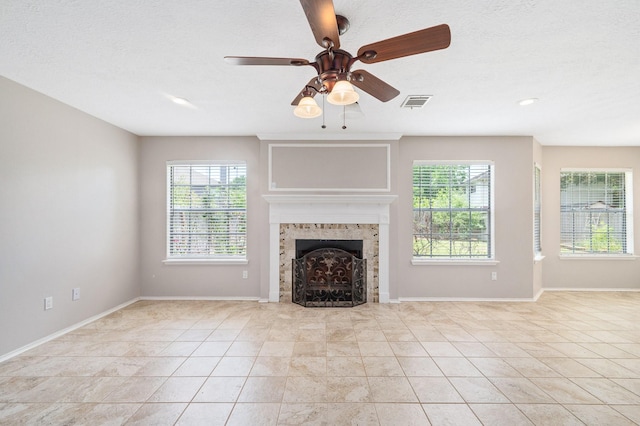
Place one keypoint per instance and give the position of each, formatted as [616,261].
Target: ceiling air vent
[415,101]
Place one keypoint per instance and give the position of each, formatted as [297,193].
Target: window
[537,246]
[452,209]
[595,212]
[207,210]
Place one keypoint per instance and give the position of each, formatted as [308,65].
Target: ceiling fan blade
[427,40]
[373,85]
[256,60]
[313,83]
[322,19]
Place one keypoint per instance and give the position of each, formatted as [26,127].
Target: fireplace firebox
[329,273]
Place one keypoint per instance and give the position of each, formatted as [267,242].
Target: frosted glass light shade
[307,108]
[343,94]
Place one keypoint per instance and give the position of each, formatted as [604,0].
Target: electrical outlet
[245,274]
[494,276]
[48,303]
[75,294]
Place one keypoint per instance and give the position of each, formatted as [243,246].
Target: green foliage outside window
[603,239]
[451,211]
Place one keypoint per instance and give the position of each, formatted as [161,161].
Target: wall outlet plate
[75,294]
[48,303]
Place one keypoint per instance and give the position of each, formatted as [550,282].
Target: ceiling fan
[333,65]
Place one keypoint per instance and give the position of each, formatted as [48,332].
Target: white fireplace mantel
[329,209]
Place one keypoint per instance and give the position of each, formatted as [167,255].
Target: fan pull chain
[344,117]
[323,125]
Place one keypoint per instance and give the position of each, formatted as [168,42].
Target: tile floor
[570,358]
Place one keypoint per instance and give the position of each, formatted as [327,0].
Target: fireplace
[304,246]
[329,273]
[290,233]
[332,217]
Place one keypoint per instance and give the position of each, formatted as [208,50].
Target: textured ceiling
[120,60]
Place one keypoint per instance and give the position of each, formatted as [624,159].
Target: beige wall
[68,216]
[586,273]
[512,157]
[197,281]
[518,276]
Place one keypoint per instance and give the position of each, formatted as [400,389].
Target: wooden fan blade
[373,85]
[314,83]
[256,60]
[322,20]
[427,40]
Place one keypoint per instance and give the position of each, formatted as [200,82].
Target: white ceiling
[120,60]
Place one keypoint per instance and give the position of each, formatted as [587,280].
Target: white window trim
[598,257]
[628,200]
[537,255]
[419,261]
[195,260]
[208,261]
[628,195]
[491,260]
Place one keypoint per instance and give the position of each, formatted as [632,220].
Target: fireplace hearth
[329,276]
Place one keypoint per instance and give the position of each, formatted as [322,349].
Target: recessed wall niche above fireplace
[338,217]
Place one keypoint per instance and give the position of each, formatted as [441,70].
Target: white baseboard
[65,331]
[213,298]
[591,289]
[464,299]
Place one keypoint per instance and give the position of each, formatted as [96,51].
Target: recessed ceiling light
[526,102]
[180,101]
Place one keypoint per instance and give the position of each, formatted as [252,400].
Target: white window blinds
[207,210]
[594,212]
[537,245]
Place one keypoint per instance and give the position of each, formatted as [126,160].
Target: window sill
[222,261]
[453,262]
[598,257]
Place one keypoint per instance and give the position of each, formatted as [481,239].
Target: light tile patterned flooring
[570,358]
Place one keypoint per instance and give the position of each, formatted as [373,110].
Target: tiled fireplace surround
[362,217]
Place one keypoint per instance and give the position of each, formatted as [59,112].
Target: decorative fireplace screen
[329,277]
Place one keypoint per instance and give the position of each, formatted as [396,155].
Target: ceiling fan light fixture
[343,94]
[307,108]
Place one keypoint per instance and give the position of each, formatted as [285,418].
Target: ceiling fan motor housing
[333,65]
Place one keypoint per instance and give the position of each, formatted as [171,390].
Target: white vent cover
[415,101]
